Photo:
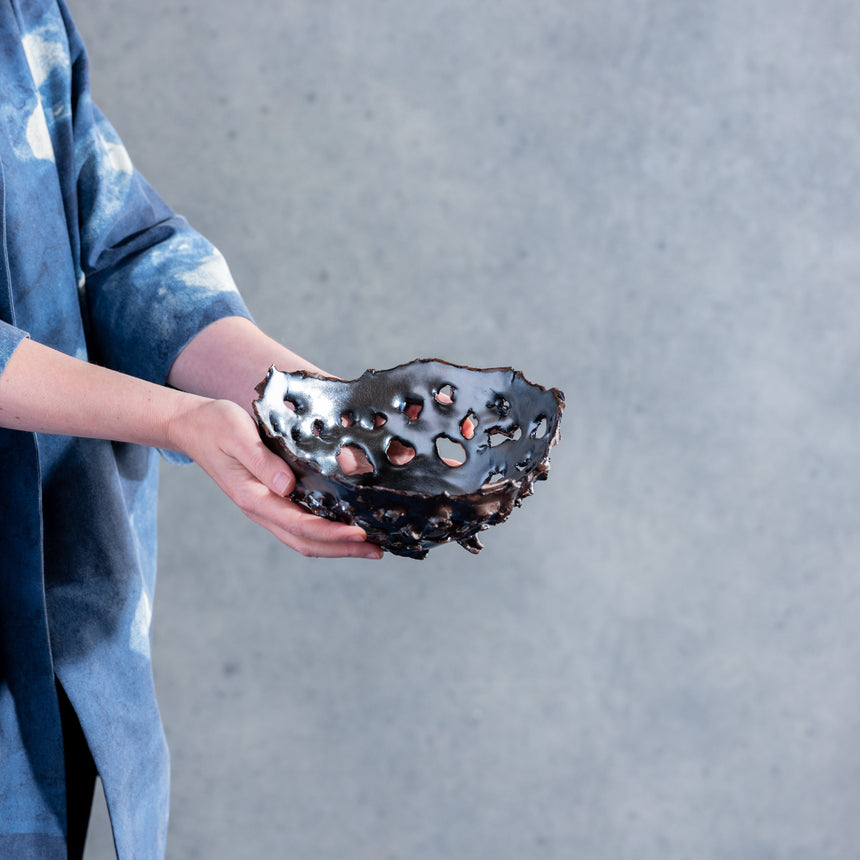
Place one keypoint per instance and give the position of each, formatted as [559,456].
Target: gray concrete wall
[653,206]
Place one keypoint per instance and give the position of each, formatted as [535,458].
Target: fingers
[311,535]
[258,494]
[268,468]
[328,549]
[306,533]
[259,482]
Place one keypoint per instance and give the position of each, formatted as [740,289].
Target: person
[121,333]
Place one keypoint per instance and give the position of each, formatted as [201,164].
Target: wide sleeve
[10,337]
[149,282]
[10,334]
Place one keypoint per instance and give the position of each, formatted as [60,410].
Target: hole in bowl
[347,419]
[399,453]
[450,452]
[318,427]
[412,408]
[445,395]
[498,435]
[353,461]
[379,420]
[494,478]
[540,428]
[290,404]
[468,426]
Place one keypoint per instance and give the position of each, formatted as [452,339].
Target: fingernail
[375,554]
[280,483]
[358,537]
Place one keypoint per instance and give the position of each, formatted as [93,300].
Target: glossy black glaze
[511,425]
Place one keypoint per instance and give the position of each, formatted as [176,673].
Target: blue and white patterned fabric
[94,264]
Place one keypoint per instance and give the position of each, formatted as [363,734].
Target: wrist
[180,423]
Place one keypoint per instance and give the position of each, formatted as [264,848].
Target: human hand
[223,440]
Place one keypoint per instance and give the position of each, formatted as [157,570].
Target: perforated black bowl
[421,454]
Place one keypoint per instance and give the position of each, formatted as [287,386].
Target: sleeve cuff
[10,337]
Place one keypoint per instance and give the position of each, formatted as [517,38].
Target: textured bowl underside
[421,454]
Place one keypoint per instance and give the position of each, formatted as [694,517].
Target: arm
[45,391]
[228,358]
[147,285]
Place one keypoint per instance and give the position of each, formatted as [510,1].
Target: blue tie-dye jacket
[96,265]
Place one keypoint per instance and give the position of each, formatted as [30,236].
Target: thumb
[283,481]
[271,470]
[266,466]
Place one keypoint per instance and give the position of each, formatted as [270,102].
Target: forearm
[45,391]
[229,358]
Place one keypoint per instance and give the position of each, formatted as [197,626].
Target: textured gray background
[653,206]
